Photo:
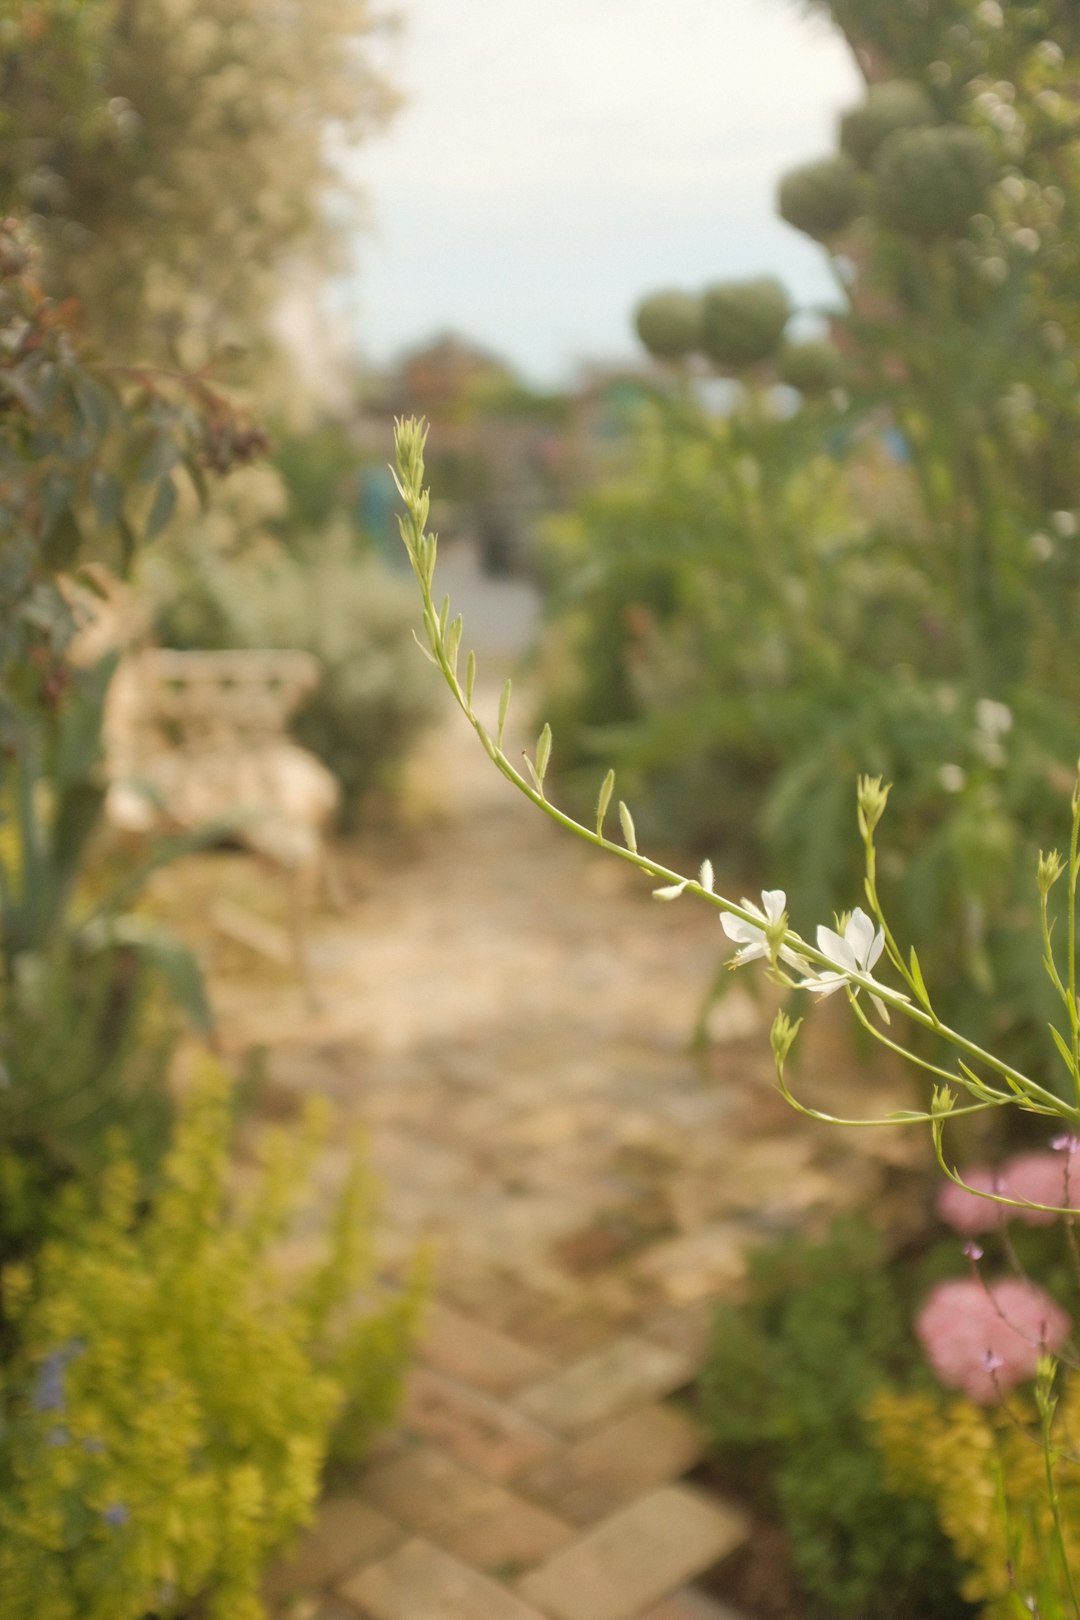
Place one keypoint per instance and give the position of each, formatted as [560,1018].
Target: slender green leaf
[161,509]
[917,979]
[128,544]
[198,481]
[543,751]
[64,541]
[504,706]
[94,401]
[107,495]
[453,642]
[607,788]
[157,460]
[626,821]
[1063,1047]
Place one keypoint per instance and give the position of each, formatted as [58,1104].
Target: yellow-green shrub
[985,1473]
[174,1394]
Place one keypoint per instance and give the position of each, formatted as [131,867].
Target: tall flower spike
[752,940]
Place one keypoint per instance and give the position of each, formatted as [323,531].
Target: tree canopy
[175,154]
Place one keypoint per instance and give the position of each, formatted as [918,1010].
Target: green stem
[1074,872]
[421,548]
[1055,1509]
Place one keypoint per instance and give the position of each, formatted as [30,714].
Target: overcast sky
[557,159]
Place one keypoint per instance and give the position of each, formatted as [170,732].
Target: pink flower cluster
[1039,1178]
[985,1338]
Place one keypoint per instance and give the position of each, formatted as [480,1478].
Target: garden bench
[199,738]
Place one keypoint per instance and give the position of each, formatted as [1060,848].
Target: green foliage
[669,323]
[85,1044]
[742,321]
[822,1328]
[89,463]
[175,153]
[821,198]
[983,1470]
[906,34]
[56,795]
[320,469]
[894,105]
[930,597]
[91,458]
[172,1402]
[740,639]
[373,698]
[931,181]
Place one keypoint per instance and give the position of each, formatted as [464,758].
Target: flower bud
[872,799]
[782,1035]
[1049,870]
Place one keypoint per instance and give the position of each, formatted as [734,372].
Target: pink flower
[1042,1178]
[966,1211]
[984,1340]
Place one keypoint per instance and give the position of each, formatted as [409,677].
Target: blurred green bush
[879,574]
[983,1470]
[85,1048]
[176,1389]
[823,1327]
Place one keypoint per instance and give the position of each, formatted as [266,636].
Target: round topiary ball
[895,104]
[813,367]
[742,321]
[669,323]
[821,198]
[931,181]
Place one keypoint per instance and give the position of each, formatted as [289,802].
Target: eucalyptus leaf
[161,509]
[107,495]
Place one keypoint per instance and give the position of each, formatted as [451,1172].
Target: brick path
[507,1012]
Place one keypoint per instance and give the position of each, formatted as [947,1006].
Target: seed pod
[812,367]
[669,323]
[895,104]
[742,321]
[931,181]
[821,198]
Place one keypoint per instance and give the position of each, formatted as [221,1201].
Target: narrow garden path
[507,1013]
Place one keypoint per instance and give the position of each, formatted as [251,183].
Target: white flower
[856,950]
[752,941]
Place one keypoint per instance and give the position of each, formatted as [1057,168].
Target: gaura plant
[842,957]
[966,1078]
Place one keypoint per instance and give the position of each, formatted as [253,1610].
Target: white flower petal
[774,901]
[881,1007]
[705,876]
[825,983]
[749,952]
[876,948]
[836,948]
[743,933]
[859,934]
